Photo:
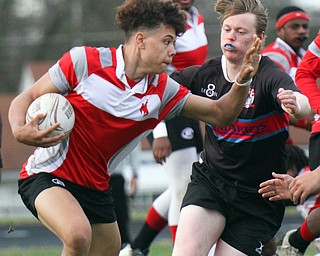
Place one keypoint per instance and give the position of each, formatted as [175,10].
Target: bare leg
[198,230]
[105,240]
[61,213]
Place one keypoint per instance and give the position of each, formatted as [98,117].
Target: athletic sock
[302,238]
[151,228]
[155,220]
[173,231]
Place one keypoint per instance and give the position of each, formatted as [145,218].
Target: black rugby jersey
[247,152]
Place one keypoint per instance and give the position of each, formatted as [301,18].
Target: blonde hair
[227,8]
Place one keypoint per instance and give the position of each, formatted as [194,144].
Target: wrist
[247,83]
[160,131]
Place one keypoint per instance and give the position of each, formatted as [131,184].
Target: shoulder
[90,53]
[278,51]
[269,66]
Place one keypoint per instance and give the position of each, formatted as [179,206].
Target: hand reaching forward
[250,62]
[276,189]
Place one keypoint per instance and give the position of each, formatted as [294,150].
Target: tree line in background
[36,30]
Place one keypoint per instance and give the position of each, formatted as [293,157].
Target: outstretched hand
[250,62]
[276,189]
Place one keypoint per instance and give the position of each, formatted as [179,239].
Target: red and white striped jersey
[111,116]
[307,74]
[284,56]
[192,46]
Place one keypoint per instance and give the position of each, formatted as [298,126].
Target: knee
[77,242]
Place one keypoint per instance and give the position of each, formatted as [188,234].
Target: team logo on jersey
[144,108]
[250,99]
[187,133]
[259,249]
[58,182]
[210,91]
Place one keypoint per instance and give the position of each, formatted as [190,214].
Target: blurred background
[35,33]
[42,30]
[33,36]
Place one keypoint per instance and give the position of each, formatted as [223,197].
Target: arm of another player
[308,74]
[224,111]
[306,184]
[29,133]
[161,145]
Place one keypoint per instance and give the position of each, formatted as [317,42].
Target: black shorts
[97,205]
[314,150]
[251,220]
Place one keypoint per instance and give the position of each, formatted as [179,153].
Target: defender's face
[236,36]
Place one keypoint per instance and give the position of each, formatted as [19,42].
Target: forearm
[231,104]
[17,112]
[220,112]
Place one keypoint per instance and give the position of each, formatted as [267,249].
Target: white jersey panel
[116,101]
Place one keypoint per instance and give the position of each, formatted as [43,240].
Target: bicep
[20,104]
[42,86]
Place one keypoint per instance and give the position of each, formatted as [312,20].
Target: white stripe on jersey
[192,39]
[314,49]
[105,96]
[47,159]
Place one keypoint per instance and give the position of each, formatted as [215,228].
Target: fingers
[282,177]
[295,197]
[267,183]
[160,157]
[267,191]
[51,141]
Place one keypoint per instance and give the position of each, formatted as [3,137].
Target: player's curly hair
[227,8]
[133,15]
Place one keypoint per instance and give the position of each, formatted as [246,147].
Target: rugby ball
[58,109]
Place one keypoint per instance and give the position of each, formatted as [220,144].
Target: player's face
[158,49]
[295,33]
[236,36]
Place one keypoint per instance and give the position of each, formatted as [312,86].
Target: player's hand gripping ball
[58,110]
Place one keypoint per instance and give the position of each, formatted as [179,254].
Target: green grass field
[161,248]
[158,248]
